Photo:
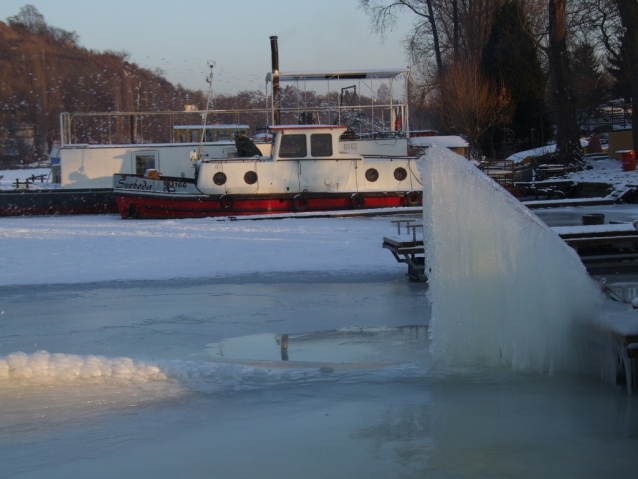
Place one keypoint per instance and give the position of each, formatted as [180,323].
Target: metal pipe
[274,52]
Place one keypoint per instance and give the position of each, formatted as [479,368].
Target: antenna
[209,80]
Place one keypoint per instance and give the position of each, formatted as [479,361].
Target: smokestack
[274,52]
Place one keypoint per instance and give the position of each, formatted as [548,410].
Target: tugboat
[311,168]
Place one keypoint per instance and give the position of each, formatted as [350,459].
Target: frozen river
[187,378]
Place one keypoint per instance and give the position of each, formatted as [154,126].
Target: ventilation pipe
[274,51]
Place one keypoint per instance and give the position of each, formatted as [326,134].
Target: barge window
[293,146]
[144,162]
[321,144]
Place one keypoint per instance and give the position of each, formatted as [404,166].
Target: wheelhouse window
[321,144]
[144,162]
[293,146]
[224,135]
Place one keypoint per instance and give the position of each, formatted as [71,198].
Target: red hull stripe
[149,207]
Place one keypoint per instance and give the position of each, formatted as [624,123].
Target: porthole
[372,175]
[400,174]
[250,177]
[219,178]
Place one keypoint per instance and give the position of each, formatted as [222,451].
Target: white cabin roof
[211,127]
[307,127]
[338,74]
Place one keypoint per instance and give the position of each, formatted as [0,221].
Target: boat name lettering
[174,184]
[123,184]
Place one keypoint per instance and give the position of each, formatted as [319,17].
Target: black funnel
[274,51]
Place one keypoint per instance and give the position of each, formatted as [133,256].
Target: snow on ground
[606,171]
[599,171]
[8,177]
[80,249]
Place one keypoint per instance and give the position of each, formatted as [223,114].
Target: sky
[180,38]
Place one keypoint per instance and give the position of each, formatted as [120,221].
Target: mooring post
[284,347]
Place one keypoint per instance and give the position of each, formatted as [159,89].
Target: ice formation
[43,368]
[65,370]
[503,287]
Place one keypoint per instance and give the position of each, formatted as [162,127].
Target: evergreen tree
[510,57]
[629,14]
[591,85]
[620,71]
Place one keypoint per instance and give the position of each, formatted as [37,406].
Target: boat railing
[145,127]
[153,127]
[507,172]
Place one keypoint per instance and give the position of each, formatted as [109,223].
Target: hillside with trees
[45,71]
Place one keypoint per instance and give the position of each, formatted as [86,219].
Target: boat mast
[209,79]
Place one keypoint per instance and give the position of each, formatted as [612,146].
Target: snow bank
[43,368]
[80,249]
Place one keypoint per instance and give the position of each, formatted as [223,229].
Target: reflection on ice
[504,288]
[355,347]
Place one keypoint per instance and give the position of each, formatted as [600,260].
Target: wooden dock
[408,248]
[603,249]
[571,202]
[612,339]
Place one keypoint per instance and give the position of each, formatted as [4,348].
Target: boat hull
[57,202]
[164,206]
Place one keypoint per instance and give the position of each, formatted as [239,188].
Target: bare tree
[567,132]
[473,104]
[30,19]
[424,38]
[465,27]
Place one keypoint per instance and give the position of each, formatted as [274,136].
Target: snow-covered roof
[446,141]
[337,74]
[535,152]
